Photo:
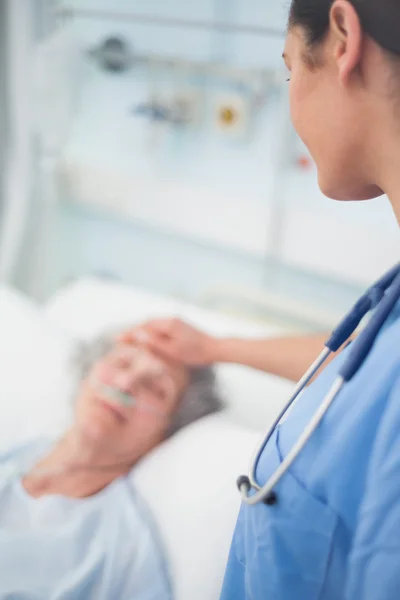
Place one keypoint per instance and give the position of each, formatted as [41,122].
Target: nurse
[333,531]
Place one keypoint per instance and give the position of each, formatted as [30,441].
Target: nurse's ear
[347,36]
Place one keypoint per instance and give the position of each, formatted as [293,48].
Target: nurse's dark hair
[380,19]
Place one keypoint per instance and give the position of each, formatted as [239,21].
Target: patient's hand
[175,340]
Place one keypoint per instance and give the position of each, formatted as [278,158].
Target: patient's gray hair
[200,398]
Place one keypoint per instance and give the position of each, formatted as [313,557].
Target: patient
[71,525]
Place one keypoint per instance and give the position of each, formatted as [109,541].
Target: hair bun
[380,20]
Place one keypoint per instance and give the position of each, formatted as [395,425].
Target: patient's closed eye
[156,389]
[121,357]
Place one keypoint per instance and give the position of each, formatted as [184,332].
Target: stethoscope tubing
[382,296]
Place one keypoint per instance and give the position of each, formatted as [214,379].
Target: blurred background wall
[180,172]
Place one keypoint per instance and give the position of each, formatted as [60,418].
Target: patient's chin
[97,427]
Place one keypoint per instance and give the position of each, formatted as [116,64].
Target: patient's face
[121,429]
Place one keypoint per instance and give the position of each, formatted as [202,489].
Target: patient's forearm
[286,357]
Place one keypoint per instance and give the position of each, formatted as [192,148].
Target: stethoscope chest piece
[271,499]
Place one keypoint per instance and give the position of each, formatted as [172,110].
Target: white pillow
[254,398]
[189,484]
[35,388]
[89,306]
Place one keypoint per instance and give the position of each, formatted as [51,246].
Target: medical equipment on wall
[176,102]
[233,114]
[381,298]
[113,54]
[182,105]
[116,54]
[179,112]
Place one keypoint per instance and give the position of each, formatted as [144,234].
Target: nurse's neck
[63,473]
[386,165]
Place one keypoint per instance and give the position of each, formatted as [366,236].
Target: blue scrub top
[334,532]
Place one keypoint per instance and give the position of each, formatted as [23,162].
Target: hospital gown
[334,531]
[58,548]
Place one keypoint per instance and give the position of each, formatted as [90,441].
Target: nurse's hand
[174,340]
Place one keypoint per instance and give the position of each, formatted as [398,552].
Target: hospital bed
[189,482]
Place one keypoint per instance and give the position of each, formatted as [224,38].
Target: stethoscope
[382,297]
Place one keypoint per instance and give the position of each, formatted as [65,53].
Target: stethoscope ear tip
[244,486]
[243,482]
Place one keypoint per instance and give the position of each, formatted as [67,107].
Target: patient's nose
[124,379]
